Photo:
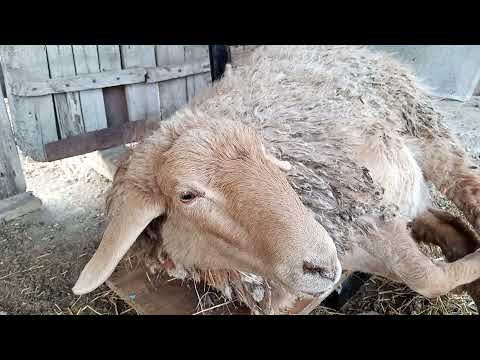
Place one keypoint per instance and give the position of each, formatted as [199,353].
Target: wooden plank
[195,83]
[33,118]
[67,106]
[18,205]
[79,83]
[100,139]
[12,180]
[143,101]
[105,162]
[162,295]
[173,93]
[107,79]
[167,296]
[109,57]
[93,107]
[114,97]
[163,73]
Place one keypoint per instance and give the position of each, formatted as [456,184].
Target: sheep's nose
[327,272]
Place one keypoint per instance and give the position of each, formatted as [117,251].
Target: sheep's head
[226,204]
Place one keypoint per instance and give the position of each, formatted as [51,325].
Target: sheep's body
[319,108]
[362,139]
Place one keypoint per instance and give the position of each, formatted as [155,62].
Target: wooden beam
[159,295]
[99,139]
[105,162]
[105,79]
[79,82]
[159,74]
[18,205]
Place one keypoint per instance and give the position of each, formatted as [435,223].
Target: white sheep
[356,140]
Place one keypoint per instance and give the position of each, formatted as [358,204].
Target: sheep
[303,162]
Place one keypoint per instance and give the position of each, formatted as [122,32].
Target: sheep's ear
[123,229]
[283,165]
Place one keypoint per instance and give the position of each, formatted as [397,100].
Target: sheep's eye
[187,196]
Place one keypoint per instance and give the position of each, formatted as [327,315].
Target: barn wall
[67,100]
[452,71]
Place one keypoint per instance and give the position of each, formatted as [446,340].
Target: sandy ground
[42,254]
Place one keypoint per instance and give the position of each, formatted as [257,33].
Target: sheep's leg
[445,163]
[391,251]
[449,232]
[453,236]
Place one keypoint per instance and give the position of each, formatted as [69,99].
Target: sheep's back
[314,105]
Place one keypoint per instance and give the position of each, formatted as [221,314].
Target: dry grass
[103,302]
[389,298]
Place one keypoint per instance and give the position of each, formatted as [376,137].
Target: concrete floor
[463,119]
[451,71]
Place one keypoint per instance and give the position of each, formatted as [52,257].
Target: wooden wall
[61,92]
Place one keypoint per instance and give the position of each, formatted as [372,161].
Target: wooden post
[14,201]
[12,181]
[219,57]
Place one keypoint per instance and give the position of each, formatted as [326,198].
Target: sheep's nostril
[329,273]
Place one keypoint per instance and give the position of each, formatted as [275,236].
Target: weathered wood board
[143,100]
[18,205]
[12,181]
[105,162]
[34,118]
[60,92]
[14,200]
[99,140]
[67,105]
[173,93]
[196,83]
[93,107]
[163,295]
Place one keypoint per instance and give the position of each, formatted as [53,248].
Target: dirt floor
[42,253]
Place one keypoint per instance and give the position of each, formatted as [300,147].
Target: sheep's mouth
[319,293]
